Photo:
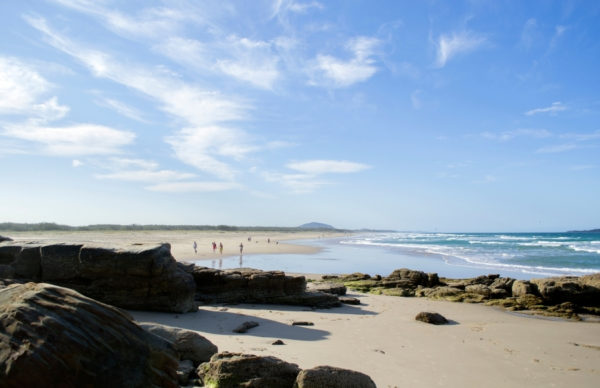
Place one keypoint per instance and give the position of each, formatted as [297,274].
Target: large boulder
[406,278]
[229,370]
[521,288]
[332,377]
[328,287]
[52,336]
[141,277]
[4,238]
[189,344]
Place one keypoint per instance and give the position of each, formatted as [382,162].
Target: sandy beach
[483,346]
[182,242]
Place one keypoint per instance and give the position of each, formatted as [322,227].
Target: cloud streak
[552,109]
[449,46]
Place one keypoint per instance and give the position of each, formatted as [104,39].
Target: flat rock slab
[332,377]
[349,300]
[302,323]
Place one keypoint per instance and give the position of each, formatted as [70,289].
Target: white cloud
[78,139]
[20,86]
[343,73]
[458,43]
[76,163]
[552,109]
[125,163]
[316,167]
[296,183]
[178,187]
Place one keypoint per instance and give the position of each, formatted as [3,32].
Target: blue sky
[411,115]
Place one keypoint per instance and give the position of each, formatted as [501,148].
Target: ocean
[456,255]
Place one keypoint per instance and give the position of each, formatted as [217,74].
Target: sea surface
[457,255]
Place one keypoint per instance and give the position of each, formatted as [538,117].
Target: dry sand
[483,346]
[182,241]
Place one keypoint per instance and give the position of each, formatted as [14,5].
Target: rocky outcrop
[247,285]
[138,278]
[54,336]
[4,238]
[332,377]
[188,344]
[328,287]
[229,370]
[560,296]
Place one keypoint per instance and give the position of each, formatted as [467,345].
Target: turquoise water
[518,255]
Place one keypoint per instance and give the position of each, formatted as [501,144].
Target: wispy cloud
[448,46]
[299,7]
[332,71]
[552,109]
[79,139]
[296,183]
[317,167]
[181,187]
[510,135]
[122,109]
[556,148]
[146,176]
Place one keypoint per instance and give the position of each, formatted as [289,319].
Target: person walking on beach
[214,245]
[221,248]
[195,247]
[241,248]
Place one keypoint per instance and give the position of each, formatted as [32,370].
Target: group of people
[214,247]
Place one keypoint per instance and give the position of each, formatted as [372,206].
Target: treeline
[50,226]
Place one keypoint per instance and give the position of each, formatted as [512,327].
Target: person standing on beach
[221,248]
[214,245]
[195,247]
[241,248]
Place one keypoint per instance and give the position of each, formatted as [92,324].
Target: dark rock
[330,288]
[332,377]
[354,277]
[278,342]
[141,278]
[4,238]
[499,293]
[184,371]
[439,292]
[188,344]
[302,323]
[479,289]
[349,300]
[503,283]
[406,278]
[433,318]
[583,290]
[55,337]
[229,370]
[244,327]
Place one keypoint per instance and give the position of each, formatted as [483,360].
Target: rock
[188,344]
[330,288]
[503,283]
[354,277]
[229,370]
[584,291]
[302,323]
[499,293]
[349,300]
[54,336]
[278,342]
[4,238]
[521,287]
[144,277]
[248,285]
[440,292]
[406,278]
[184,371]
[332,377]
[245,326]
[479,289]
[433,318]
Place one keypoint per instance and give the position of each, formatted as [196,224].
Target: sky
[475,116]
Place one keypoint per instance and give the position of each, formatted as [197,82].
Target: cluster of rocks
[144,277]
[565,296]
[54,336]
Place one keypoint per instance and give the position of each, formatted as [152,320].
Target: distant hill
[316,225]
[585,231]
